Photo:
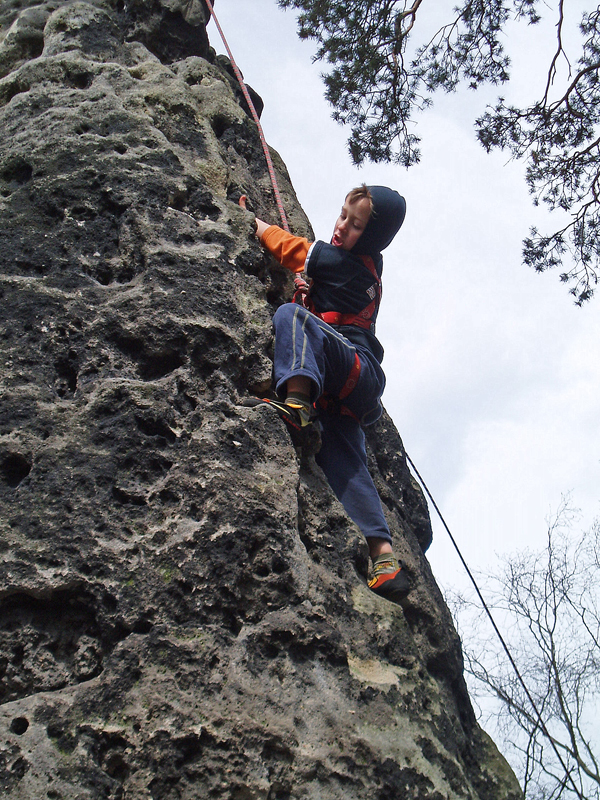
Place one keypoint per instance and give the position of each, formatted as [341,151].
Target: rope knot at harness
[301,290]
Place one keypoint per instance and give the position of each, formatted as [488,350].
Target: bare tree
[549,604]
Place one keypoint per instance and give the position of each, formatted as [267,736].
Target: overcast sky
[492,371]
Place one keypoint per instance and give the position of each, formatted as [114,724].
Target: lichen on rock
[183,602]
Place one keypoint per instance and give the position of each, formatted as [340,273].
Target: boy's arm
[289,250]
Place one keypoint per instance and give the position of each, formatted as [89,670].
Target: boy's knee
[289,313]
[284,313]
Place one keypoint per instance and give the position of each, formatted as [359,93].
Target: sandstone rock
[183,602]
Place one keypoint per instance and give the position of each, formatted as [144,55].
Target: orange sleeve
[289,250]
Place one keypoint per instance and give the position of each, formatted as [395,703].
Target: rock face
[183,607]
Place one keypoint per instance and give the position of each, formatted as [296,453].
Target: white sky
[493,372]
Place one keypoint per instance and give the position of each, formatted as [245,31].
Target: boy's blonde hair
[360,193]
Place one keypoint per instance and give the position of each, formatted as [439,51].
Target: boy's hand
[242,201]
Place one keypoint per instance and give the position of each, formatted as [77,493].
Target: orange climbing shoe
[389,579]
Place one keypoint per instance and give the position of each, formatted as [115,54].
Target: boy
[328,357]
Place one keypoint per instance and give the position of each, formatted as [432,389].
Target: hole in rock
[19,171]
[14,468]
[79,80]
[19,725]
[157,365]
[156,427]
[66,370]
[219,124]
[51,642]
[128,497]
[14,90]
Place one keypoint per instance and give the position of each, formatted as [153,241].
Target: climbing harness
[363,319]
[352,379]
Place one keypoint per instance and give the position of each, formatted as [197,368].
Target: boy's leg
[310,358]
[305,346]
[343,459]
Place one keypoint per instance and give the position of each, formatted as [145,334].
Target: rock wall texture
[183,602]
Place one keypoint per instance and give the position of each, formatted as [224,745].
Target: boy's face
[351,223]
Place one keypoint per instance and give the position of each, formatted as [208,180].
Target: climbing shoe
[300,419]
[296,415]
[389,579]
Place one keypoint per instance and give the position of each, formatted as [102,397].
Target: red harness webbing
[352,379]
[334,404]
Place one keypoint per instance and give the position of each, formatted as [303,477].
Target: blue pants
[307,346]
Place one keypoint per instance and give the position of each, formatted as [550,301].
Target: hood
[389,209]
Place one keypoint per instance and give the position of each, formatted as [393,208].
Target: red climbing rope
[248,99]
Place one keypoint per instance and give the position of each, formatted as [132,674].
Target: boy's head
[353,219]
[371,216]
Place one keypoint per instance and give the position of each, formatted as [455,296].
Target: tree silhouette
[384,67]
[549,603]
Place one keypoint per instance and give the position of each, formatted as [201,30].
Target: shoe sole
[394,589]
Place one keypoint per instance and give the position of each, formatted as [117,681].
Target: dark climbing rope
[542,725]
